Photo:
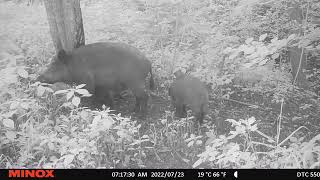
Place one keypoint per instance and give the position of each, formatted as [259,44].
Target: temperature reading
[224,174]
[211,174]
[201,174]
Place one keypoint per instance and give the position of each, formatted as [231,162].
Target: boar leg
[90,86]
[141,99]
[179,109]
[110,97]
[184,111]
[104,96]
[198,111]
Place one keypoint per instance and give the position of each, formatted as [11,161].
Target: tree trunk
[65,21]
[297,55]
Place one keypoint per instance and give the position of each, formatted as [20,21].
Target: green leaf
[82,91]
[186,160]
[248,65]
[263,37]
[8,123]
[197,163]
[293,139]
[50,146]
[49,89]
[233,55]
[274,40]
[198,142]
[53,158]
[248,50]
[263,62]
[96,119]
[292,36]
[40,90]
[24,105]
[121,133]
[70,94]
[60,92]
[227,50]
[14,105]
[68,160]
[164,121]
[249,40]
[84,114]
[145,137]
[190,143]
[80,86]
[22,73]
[275,56]
[76,101]
[251,120]
[8,75]
[11,135]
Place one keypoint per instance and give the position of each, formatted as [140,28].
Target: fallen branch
[247,104]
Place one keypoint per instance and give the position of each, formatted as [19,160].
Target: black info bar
[159,173]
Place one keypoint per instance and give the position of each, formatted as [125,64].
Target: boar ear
[62,56]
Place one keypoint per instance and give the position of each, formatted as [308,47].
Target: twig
[263,144]
[264,135]
[247,104]
[157,156]
[280,120]
[291,135]
[302,49]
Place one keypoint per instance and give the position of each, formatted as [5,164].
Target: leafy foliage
[223,152]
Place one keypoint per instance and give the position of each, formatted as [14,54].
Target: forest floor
[240,106]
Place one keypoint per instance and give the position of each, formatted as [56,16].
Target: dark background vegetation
[264,96]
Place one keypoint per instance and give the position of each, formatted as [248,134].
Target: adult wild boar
[188,90]
[106,68]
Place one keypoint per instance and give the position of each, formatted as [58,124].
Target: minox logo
[34,173]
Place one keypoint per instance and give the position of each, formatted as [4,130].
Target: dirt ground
[266,114]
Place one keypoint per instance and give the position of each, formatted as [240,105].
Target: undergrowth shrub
[238,149]
[81,138]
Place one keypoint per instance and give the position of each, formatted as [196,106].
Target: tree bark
[297,55]
[65,21]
